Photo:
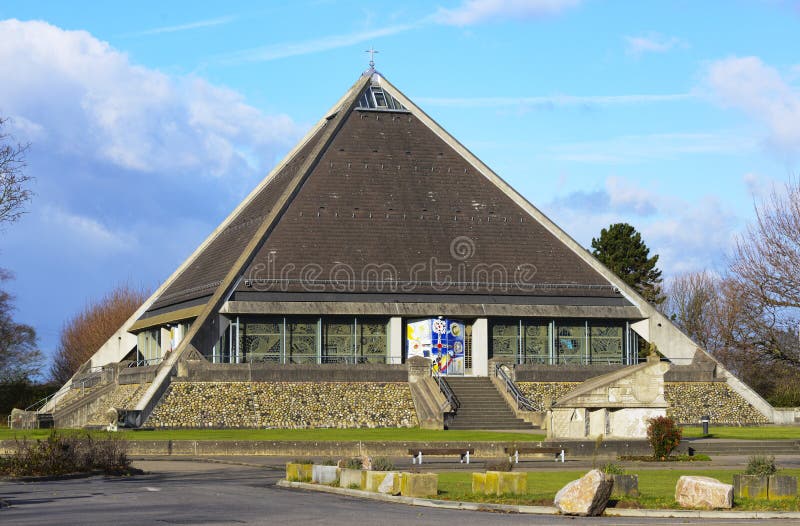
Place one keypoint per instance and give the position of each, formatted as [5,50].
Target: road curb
[537,510]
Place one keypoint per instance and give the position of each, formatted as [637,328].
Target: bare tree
[14,191]
[83,334]
[20,358]
[692,300]
[766,269]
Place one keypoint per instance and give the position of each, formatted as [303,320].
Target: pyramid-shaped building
[380,241]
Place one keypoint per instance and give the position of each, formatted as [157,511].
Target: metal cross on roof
[371,52]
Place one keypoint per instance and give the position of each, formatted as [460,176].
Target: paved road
[185,493]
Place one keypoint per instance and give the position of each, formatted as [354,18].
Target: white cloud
[688,235]
[759,90]
[478,11]
[132,167]
[652,43]
[93,102]
[84,231]
[306,47]
[188,26]
[554,100]
[641,148]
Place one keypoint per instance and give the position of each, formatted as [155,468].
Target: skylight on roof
[375,98]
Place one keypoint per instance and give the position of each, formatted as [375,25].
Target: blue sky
[149,121]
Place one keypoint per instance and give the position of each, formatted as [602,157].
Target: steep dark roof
[205,273]
[390,207]
[388,198]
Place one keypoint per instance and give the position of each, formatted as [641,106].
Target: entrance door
[441,341]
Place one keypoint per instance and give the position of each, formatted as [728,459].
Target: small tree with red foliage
[664,436]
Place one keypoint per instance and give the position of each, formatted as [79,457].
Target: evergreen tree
[621,249]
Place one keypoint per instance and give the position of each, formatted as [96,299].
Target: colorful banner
[440,340]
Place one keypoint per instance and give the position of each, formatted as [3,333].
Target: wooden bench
[417,454]
[514,452]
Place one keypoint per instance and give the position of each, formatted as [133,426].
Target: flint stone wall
[688,401]
[285,405]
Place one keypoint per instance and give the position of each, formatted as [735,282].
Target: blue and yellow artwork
[439,340]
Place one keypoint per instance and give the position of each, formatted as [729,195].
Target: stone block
[512,483]
[298,472]
[479,483]
[625,486]
[324,474]
[587,496]
[703,492]
[782,487]
[419,485]
[387,482]
[491,483]
[353,478]
[750,487]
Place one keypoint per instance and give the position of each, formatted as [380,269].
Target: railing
[448,393]
[522,401]
[145,363]
[43,402]
[324,360]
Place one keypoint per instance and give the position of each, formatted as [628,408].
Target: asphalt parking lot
[201,492]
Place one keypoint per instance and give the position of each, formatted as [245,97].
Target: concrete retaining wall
[201,371]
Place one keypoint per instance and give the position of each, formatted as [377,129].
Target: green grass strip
[300,435]
[656,488]
[746,433]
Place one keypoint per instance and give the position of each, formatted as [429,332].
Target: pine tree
[621,249]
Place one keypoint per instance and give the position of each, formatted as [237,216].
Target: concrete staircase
[482,407]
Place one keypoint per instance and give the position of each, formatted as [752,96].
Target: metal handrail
[446,390]
[43,402]
[145,363]
[522,401]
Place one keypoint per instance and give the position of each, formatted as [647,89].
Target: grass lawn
[746,433]
[301,435]
[656,489]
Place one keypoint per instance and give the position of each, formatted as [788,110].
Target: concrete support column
[395,340]
[480,347]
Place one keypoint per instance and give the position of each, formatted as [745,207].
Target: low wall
[688,401]
[202,371]
[284,405]
[137,375]
[700,372]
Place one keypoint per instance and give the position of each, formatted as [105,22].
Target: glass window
[570,343]
[301,341]
[148,344]
[505,339]
[261,340]
[337,336]
[536,346]
[606,343]
[373,340]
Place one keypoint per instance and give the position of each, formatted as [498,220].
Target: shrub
[499,464]
[62,455]
[353,463]
[613,469]
[382,464]
[664,436]
[302,461]
[785,395]
[761,466]
[328,462]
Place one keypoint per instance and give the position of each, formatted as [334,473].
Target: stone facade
[540,393]
[123,397]
[286,405]
[688,401]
